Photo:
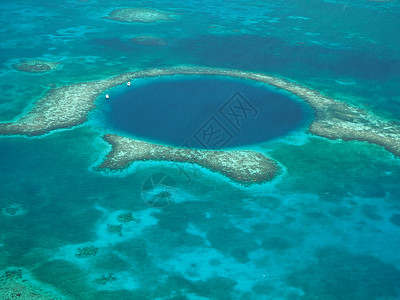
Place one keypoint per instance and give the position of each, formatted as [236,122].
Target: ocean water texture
[327,228]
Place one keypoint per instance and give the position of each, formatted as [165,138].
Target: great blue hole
[205,112]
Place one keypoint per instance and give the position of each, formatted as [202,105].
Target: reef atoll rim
[68,106]
[36,66]
[139,15]
[241,166]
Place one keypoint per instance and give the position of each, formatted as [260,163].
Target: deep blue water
[211,113]
[249,51]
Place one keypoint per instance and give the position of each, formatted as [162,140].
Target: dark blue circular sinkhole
[203,112]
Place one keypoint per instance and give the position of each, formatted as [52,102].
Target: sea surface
[328,227]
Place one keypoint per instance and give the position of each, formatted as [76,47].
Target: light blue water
[327,228]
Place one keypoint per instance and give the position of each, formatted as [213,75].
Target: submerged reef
[13,285]
[13,210]
[126,218]
[116,229]
[139,15]
[87,252]
[149,40]
[241,166]
[36,66]
[68,106]
[103,280]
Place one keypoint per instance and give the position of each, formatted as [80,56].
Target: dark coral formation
[126,218]
[13,210]
[116,229]
[36,66]
[87,252]
[13,285]
[149,40]
[103,280]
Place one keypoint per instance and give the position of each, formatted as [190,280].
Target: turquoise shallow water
[327,228]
